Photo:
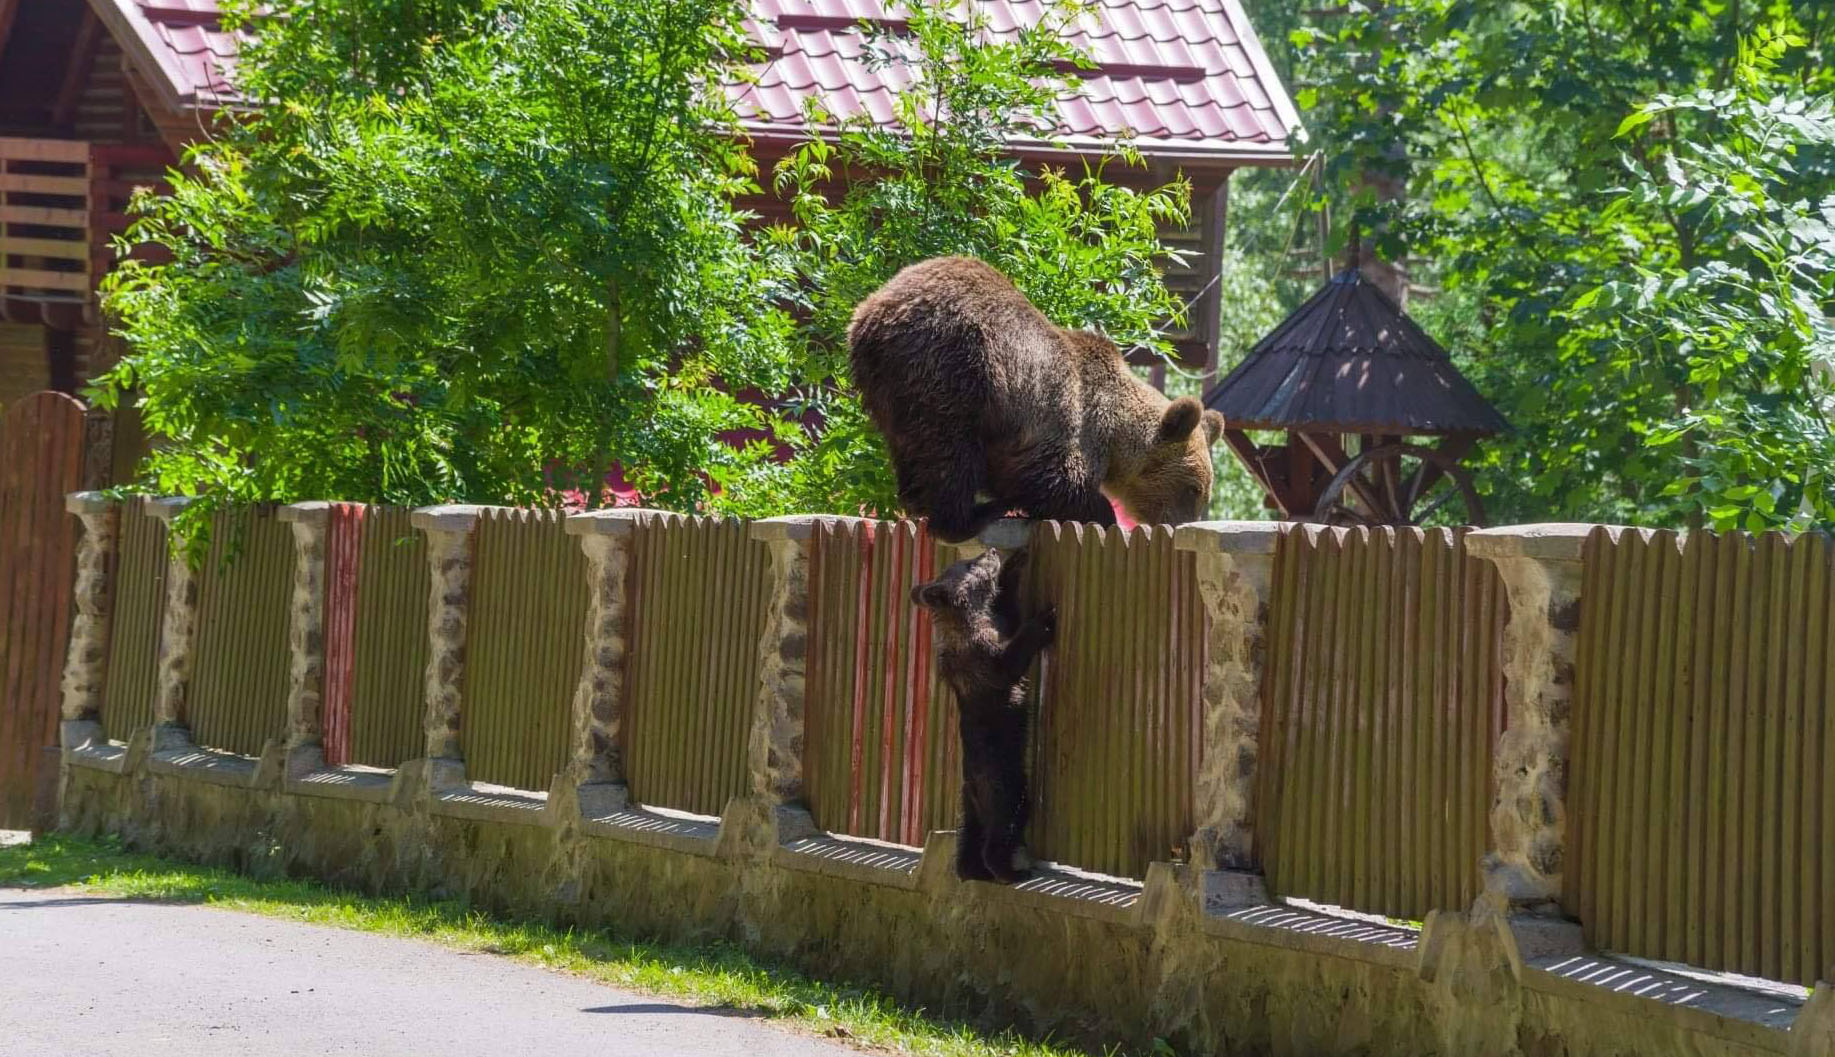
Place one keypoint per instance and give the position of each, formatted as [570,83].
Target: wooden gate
[42,449]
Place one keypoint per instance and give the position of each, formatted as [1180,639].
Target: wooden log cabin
[100,96]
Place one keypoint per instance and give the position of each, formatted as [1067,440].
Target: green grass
[717,975]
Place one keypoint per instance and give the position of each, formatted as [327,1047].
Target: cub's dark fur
[978,394]
[984,650]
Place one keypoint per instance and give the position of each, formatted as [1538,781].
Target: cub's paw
[973,871]
[1010,869]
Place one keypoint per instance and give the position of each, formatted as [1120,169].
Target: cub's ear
[1181,417]
[932,595]
[1213,427]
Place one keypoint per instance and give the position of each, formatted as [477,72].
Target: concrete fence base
[1197,958]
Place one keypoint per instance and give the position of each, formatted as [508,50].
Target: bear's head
[967,587]
[1169,481]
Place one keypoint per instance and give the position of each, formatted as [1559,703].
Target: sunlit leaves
[475,250]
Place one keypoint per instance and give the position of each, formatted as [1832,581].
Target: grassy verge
[716,975]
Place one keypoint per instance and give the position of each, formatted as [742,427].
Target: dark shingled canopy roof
[1349,361]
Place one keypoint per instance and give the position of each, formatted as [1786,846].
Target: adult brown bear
[979,395]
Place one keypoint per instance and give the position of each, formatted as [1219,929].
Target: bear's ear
[1181,417]
[1213,427]
[931,595]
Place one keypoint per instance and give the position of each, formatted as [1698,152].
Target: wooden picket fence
[526,634]
[240,672]
[1701,795]
[1383,702]
[698,591]
[1117,696]
[880,748]
[1701,807]
[139,611]
[375,636]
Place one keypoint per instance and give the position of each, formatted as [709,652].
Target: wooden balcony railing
[45,221]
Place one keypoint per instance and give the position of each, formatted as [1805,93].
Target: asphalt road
[105,978]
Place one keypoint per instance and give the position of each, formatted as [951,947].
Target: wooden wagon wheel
[1397,484]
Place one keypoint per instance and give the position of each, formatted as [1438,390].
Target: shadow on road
[62,901]
[662,1007]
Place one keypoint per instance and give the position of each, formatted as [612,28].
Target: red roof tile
[180,39]
[1186,78]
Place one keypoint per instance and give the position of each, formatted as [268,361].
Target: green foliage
[1732,324]
[465,247]
[480,250]
[939,180]
[1625,211]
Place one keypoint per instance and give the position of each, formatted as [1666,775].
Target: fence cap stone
[1561,541]
[451,517]
[315,512]
[796,526]
[166,507]
[1228,537]
[616,521]
[80,503]
[1007,534]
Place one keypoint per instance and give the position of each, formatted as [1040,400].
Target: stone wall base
[1093,971]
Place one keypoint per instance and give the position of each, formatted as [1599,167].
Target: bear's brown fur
[977,393]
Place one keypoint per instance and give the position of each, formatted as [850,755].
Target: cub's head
[965,589]
[1169,483]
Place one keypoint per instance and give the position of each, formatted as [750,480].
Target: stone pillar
[1540,566]
[177,638]
[1006,535]
[86,662]
[1812,1033]
[776,746]
[1235,569]
[306,636]
[598,703]
[449,557]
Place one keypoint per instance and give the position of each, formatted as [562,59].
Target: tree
[1539,219]
[1734,322]
[943,179]
[465,251]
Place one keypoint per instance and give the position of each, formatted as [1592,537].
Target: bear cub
[987,406]
[984,649]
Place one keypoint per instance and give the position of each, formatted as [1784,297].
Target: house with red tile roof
[97,96]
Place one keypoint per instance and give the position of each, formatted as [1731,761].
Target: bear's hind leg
[971,838]
[944,489]
[1008,803]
